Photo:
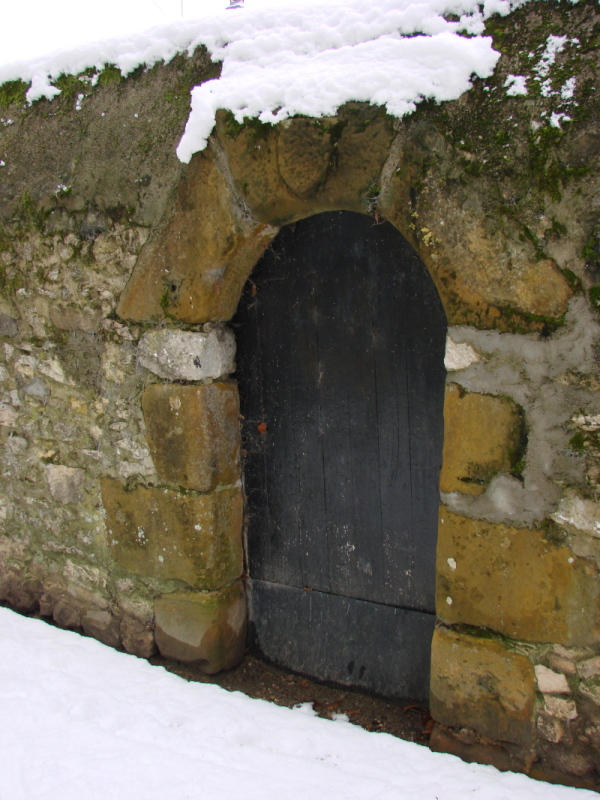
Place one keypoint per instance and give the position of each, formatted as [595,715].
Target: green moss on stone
[13,92]
[573,281]
[110,75]
[594,295]
[258,130]
[577,443]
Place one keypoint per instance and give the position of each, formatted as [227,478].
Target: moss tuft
[577,443]
[13,93]
[111,74]
[258,130]
[594,295]
[574,282]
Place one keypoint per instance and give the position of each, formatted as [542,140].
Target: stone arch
[231,201]
[252,179]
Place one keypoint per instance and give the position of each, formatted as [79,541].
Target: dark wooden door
[341,339]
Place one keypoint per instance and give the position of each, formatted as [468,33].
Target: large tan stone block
[207,628]
[515,581]
[194,267]
[301,167]
[163,534]
[478,683]
[194,433]
[482,436]
[485,275]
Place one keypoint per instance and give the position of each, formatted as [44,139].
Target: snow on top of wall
[304,59]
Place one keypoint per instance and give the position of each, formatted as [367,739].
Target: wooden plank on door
[346,641]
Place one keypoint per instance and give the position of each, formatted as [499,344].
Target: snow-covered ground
[79,721]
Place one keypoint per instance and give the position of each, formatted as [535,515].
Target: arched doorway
[341,339]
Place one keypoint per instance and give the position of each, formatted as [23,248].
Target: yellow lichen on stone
[159,533]
[478,683]
[482,433]
[193,433]
[301,167]
[514,581]
[207,628]
[194,267]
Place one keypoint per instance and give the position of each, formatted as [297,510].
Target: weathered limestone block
[478,683]
[207,628]
[163,534]
[301,167]
[66,615]
[19,592]
[183,356]
[137,638]
[514,581]
[194,433]
[304,150]
[590,668]
[550,682]
[482,435]
[577,513]
[65,483]
[459,355]
[101,625]
[195,266]
[73,319]
[8,326]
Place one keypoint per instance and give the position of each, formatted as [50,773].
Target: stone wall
[121,499]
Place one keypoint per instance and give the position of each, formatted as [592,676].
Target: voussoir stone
[304,150]
[478,683]
[515,581]
[206,628]
[194,433]
[163,534]
[195,264]
[185,356]
[482,433]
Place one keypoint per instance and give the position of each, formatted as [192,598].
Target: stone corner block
[194,433]
[158,533]
[204,628]
[515,581]
[478,683]
[482,435]
[186,356]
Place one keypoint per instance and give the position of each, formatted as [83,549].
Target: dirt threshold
[407,719]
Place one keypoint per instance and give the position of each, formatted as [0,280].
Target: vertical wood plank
[341,337]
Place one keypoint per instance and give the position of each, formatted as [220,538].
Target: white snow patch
[554,46]
[306,59]
[568,89]
[81,720]
[515,85]
[557,117]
